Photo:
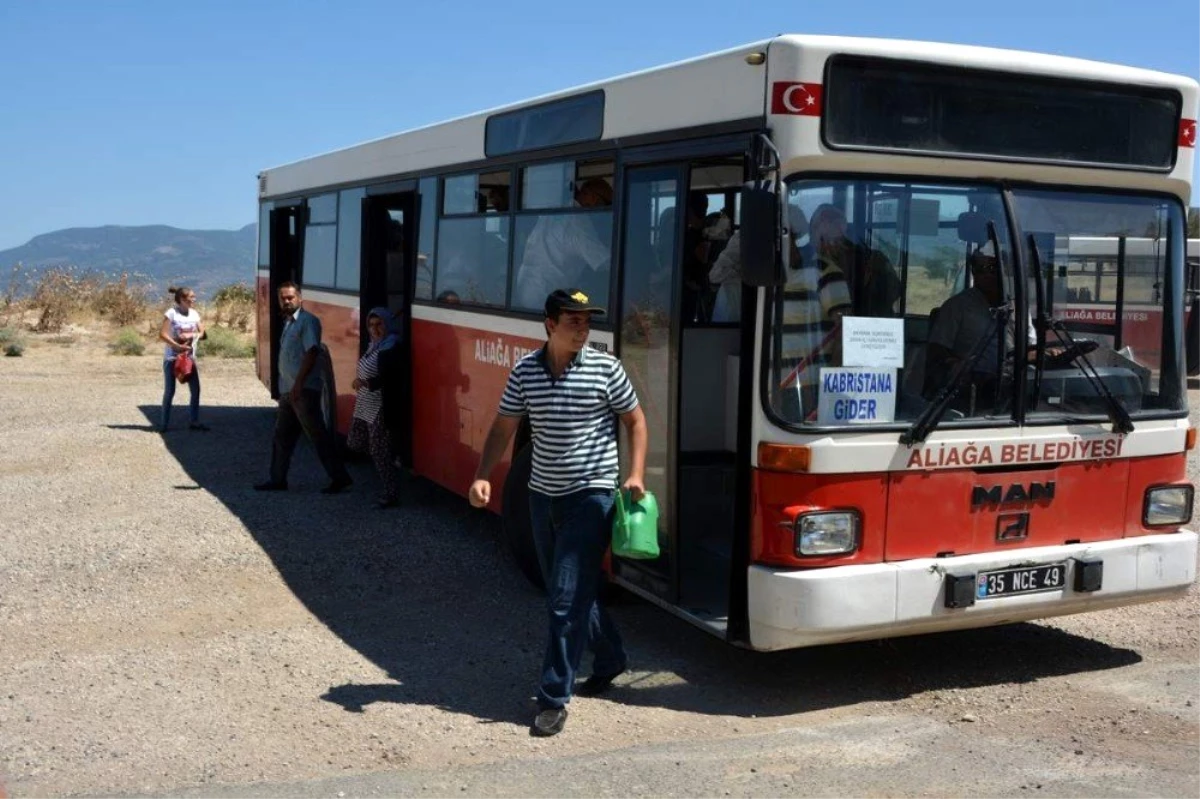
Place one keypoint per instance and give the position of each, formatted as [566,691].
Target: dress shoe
[337,486]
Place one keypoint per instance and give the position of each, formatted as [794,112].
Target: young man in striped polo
[573,396]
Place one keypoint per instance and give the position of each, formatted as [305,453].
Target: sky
[137,112]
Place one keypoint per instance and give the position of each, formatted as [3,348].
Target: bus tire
[518,529]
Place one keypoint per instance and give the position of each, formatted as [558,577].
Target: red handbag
[184,366]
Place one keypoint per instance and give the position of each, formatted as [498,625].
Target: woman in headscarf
[368,427]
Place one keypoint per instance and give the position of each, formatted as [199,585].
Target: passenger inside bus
[726,271]
[815,298]
[874,284]
[696,302]
[565,250]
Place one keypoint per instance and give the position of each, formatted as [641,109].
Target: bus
[821,475]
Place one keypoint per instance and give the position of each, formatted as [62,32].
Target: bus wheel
[518,530]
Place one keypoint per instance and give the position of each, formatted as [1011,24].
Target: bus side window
[567,243]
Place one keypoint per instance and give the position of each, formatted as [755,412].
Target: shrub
[125,301]
[7,334]
[61,293]
[225,343]
[14,349]
[8,302]
[234,292]
[234,306]
[128,342]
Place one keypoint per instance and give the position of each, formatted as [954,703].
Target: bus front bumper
[795,608]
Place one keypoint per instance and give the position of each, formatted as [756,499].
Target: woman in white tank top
[181,329]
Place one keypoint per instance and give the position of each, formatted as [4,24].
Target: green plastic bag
[635,527]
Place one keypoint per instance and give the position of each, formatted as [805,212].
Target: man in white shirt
[563,248]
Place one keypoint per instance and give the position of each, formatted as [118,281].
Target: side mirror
[760,237]
[972,228]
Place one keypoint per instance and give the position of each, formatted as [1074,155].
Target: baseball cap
[569,300]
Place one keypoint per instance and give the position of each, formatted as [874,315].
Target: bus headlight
[826,533]
[1167,505]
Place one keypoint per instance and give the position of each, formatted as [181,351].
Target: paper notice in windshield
[868,341]
[857,396]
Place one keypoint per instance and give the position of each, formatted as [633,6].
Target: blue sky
[139,112]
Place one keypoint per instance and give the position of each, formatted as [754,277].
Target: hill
[202,259]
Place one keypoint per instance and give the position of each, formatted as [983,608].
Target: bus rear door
[388,254]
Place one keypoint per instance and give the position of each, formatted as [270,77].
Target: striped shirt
[811,295]
[367,403]
[573,419]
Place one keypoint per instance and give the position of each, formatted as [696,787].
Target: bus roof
[704,91]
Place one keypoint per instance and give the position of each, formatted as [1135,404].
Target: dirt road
[165,630]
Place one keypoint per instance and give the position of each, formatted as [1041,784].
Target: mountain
[202,259]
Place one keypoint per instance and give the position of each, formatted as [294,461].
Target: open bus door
[1192,327]
[286,258]
[691,376]
[389,228]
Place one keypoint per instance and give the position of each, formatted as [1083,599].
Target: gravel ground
[166,630]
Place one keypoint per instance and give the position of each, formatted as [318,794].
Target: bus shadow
[428,593]
[705,675]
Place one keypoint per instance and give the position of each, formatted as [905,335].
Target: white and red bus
[813,488]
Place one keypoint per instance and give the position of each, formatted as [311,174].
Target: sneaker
[597,684]
[271,485]
[337,486]
[549,722]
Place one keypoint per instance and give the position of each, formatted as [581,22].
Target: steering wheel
[1065,358]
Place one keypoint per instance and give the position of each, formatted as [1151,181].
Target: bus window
[887,251]
[472,261]
[566,246]
[320,241]
[473,237]
[349,243]
[1108,288]
[557,184]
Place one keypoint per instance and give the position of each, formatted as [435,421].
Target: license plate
[1020,580]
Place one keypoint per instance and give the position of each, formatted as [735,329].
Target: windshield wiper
[932,415]
[1121,420]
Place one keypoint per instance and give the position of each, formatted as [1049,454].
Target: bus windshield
[898,293]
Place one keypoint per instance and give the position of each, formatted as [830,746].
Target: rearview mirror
[760,236]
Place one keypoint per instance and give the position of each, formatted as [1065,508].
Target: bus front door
[648,347]
[685,357]
[388,252]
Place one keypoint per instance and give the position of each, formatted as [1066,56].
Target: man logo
[999,495]
[1012,527]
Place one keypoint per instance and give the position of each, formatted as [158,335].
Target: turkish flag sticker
[803,99]
[1187,133]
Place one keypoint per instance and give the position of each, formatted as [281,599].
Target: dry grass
[232,306]
[63,306]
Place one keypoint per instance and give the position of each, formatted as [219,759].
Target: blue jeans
[571,534]
[169,393]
